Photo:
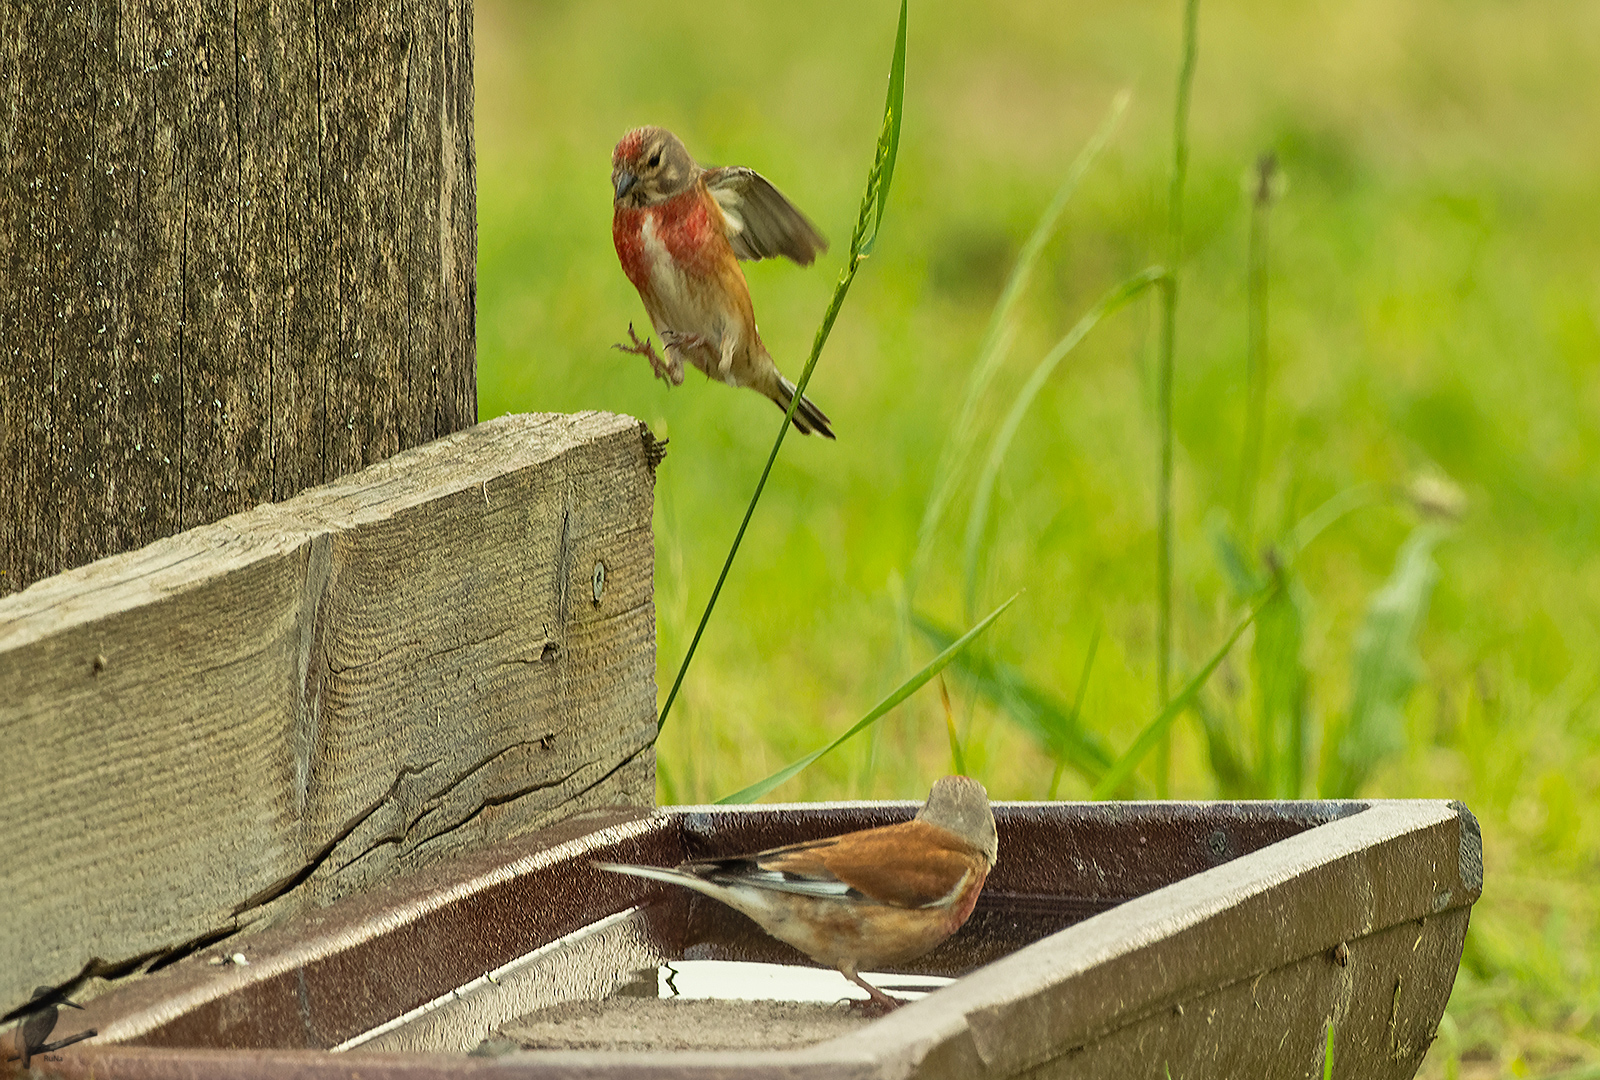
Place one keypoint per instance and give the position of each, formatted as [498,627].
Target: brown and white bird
[680,231]
[865,899]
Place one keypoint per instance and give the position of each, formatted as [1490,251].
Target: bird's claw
[679,344]
[677,339]
[669,371]
[873,1008]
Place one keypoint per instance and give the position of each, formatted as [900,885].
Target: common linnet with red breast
[865,899]
[680,231]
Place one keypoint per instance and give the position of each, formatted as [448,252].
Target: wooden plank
[300,700]
[238,249]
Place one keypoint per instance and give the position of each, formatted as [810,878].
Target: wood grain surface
[293,703]
[238,256]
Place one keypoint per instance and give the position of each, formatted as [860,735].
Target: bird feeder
[1136,939]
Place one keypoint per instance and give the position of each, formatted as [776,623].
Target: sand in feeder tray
[708,1005]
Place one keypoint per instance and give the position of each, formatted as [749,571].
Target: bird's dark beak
[624,180]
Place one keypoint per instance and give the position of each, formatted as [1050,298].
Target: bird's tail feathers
[808,418]
[664,873]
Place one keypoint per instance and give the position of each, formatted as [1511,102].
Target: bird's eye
[655,159]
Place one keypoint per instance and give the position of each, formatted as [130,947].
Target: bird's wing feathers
[910,865]
[762,223]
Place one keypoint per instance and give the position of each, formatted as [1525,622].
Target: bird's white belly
[685,306]
[676,295]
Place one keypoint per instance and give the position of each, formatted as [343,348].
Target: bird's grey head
[650,165]
[960,804]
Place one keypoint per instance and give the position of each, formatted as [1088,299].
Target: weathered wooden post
[237,258]
[237,249]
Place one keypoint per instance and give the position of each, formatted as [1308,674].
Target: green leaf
[1156,729]
[1053,724]
[996,345]
[905,690]
[978,516]
[1243,579]
[1385,668]
[1313,524]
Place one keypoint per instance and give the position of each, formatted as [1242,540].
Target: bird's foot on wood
[873,1008]
[880,1004]
[669,371]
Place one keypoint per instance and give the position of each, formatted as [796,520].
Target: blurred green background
[1434,344]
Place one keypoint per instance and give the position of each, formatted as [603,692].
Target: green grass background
[1435,311]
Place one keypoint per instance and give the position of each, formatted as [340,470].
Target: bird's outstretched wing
[762,223]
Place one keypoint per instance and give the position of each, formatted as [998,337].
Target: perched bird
[38,1021]
[865,899]
[680,231]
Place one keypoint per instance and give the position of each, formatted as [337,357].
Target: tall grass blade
[1054,725]
[1282,687]
[1244,580]
[958,760]
[1261,196]
[1323,517]
[978,515]
[893,109]
[1327,1054]
[1385,668]
[1234,778]
[866,231]
[1077,703]
[1169,335]
[899,694]
[1280,677]
[996,343]
[1157,730]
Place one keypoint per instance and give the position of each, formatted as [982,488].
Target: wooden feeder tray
[1112,940]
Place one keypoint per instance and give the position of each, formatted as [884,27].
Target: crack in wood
[147,961]
[513,796]
[436,801]
[299,877]
[337,669]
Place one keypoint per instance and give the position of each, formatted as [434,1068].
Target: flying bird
[680,231]
[865,899]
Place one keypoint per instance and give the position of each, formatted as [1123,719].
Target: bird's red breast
[687,229]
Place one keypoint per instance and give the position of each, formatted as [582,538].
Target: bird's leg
[677,339]
[681,345]
[879,998]
[671,370]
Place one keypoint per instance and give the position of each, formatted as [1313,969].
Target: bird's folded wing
[912,865]
[762,223]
